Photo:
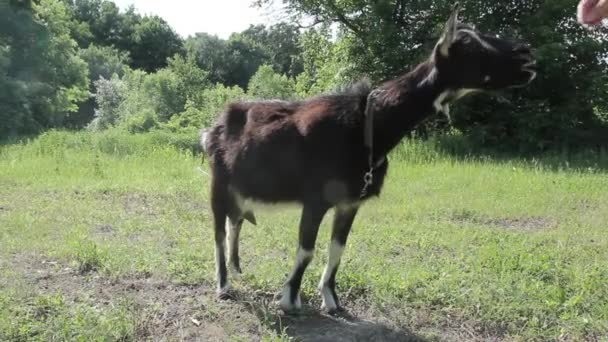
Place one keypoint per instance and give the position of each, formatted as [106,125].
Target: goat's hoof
[334,311]
[224,295]
[288,307]
[291,310]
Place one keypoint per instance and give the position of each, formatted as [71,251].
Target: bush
[266,84]
[112,141]
[141,122]
[108,97]
[205,107]
[327,64]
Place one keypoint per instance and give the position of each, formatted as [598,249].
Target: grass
[456,247]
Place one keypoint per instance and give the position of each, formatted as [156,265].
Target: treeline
[85,64]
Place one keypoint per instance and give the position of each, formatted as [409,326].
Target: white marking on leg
[232,240]
[285,303]
[335,254]
[217,268]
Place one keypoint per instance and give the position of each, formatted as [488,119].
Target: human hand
[591,12]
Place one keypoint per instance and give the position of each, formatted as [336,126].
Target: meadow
[107,236]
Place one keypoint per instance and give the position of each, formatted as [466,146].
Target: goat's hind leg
[234,224]
[220,205]
[233,227]
[343,221]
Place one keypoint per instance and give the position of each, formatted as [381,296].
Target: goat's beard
[588,13]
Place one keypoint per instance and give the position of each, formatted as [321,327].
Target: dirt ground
[172,312]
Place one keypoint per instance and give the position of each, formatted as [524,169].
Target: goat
[322,152]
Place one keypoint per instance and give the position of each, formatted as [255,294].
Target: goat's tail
[204,139]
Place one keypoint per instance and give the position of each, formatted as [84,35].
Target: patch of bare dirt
[522,223]
[138,204]
[168,311]
[526,223]
[104,229]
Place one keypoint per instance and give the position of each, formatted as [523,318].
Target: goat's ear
[449,33]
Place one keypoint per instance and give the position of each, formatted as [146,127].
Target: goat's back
[281,151]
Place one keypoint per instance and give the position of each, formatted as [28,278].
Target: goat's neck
[403,103]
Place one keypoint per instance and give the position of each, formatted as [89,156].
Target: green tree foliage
[281,47]
[210,53]
[108,96]
[140,101]
[234,61]
[42,78]
[203,108]
[266,84]
[153,42]
[230,62]
[327,64]
[562,107]
[149,40]
[103,62]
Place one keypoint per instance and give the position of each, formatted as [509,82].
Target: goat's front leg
[343,221]
[312,215]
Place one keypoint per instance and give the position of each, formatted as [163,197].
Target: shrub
[205,106]
[266,84]
[108,97]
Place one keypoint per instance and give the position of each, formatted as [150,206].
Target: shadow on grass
[312,325]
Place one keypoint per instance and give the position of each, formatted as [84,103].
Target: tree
[149,39]
[266,84]
[280,44]
[108,96]
[234,61]
[243,58]
[210,53]
[154,41]
[562,107]
[103,63]
[42,78]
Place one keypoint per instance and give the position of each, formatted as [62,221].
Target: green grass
[508,248]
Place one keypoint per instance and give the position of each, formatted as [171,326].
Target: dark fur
[312,152]
[279,151]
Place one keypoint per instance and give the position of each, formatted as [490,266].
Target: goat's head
[467,59]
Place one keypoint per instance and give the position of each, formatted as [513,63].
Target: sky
[220,17]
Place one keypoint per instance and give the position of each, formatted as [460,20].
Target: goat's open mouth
[526,75]
[530,68]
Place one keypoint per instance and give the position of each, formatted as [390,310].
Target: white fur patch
[463,92]
[217,269]
[248,204]
[335,254]
[285,302]
[440,103]
[232,243]
[475,36]
[430,78]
